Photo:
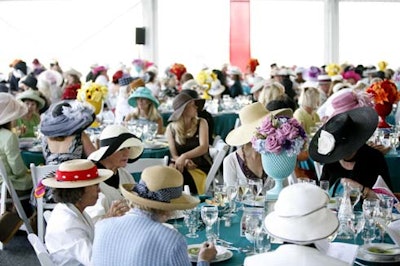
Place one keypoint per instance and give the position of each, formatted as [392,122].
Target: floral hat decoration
[279,134]
[178,70]
[384,92]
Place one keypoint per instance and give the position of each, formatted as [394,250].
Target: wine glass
[355,195]
[254,224]
[243,188]
[209,215]
[255,186]
[192,222]
[231,193]
[370,208]
[384,214]
[357,223]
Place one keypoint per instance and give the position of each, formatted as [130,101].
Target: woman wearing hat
[340,144]
[10,156]
[70,230]
[118,147]
[31,119]
[187,136]
[63,126]
[245,162]
[145,104]
[140,238]
[300,218]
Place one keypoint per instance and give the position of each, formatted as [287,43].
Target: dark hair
[283,101]
[68,195]
[150,76]
[185,77]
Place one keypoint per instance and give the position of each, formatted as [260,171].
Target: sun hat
[351,74]
[234,70]
[258,84]
[10,108]
[30,81]
[336,78]
[216,88]
[160,188]
[180,102]
[72,71]
[350,100]
[32,95]
[324,78]
[301,215]
[77,173]
[142,92]
[114,138]
[99,69]
[125,80]
[343,134]
[251,117]
[190,84]
[66,118]
[311,74]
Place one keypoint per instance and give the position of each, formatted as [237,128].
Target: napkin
[380,187]
[343,251]
[393,230]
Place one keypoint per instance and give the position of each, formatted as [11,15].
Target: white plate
[36,148]
[382,246]
[169,226]
[259,202]
[222,253]
[26,142]
[369,257]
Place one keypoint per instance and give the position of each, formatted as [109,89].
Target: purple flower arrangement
[279,134]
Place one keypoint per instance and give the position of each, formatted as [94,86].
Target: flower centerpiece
[384,94]
[279,140]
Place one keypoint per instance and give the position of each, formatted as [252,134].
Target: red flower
[384,91]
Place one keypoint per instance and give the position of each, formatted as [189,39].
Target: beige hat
[77,173]
[160,188]
[216,88]
[10,108]
[259,83]
[32,95]
[73,71]
[301,215]
[251,117]
[114,138]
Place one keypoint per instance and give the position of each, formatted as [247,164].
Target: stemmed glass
[357,223]
[254,224]
[231,192]
[243,188]
[192,222]
[384,214]
[355,195]
[256,186]
[209,215]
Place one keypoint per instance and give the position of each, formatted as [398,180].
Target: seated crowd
[100,207]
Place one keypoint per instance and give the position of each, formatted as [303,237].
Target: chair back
[38,172]
[7,185]
[222,149]
[237,124]
[136,168]
[46,215]
[40,250]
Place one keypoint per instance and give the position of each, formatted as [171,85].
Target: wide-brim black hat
[343,134]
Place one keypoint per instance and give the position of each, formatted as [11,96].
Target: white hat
[324,78]
[10,108]
[259,83]
[216,88]
[234,70]
[301,215]
[114,138]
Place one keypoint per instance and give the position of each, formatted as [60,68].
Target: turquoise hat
[142,92]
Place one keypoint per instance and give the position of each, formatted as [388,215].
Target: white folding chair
[222,149]
[237,123]
[47,215]
[8,186]
[141,164]
[40,250]
[38,172]
[318,169]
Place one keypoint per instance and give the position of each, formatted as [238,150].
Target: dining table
[229,235]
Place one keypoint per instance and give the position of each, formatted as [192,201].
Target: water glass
[263,241]
[357,223]
[254,225]
[192,222]
[385,213]
[209,215]
[324,185]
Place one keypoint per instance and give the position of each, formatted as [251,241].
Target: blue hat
[125,80]
[142,92]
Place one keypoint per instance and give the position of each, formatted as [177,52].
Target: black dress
[203,162]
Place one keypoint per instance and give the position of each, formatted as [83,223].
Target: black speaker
[140,36]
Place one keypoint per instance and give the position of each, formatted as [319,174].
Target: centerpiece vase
[383,110]
[278,167]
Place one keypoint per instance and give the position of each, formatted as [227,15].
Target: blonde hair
[152,115]
[271,91]
[309,97]
[178,129]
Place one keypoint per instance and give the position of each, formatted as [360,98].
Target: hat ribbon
[114,143]
[163,195]
[302,215]
[78,175]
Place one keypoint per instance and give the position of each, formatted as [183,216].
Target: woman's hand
[118,208]
[190,164]
[180,163]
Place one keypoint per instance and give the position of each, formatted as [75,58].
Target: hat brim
[104,174]
[216,92]
[33,97]
[257,87]
[184,202]
[243,133]
[365,121]
[304,229]
[133,100]
[135,151]
[178,112]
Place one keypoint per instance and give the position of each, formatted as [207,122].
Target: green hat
[142,92]
[32,95]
